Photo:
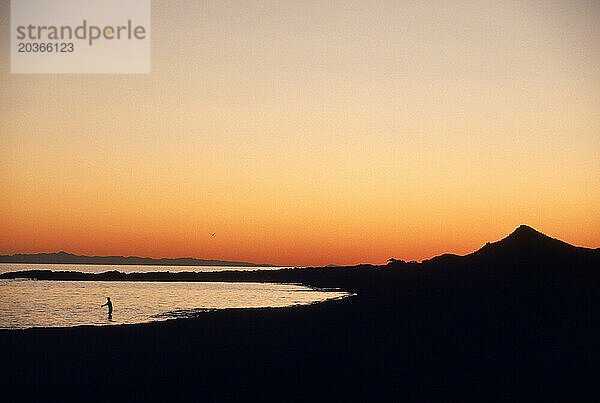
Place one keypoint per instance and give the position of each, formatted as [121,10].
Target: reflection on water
[26,303]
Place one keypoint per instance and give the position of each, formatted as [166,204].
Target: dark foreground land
[517,320]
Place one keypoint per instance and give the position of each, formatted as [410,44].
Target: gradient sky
[313,132]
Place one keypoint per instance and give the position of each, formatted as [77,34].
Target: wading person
[109,305]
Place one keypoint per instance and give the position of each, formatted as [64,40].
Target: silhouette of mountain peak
[525,232]
[524,241]
[523,244]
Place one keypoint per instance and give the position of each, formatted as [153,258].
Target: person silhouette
[109,305]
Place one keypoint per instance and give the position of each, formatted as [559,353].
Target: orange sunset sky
[313,132]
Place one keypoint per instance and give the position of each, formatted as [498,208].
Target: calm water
[30,303]
[101,268]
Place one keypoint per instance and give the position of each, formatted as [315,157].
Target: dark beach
[516,320]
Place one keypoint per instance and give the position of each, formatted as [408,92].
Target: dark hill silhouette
[523,260]
[525,241]
[69,258]
[517,320]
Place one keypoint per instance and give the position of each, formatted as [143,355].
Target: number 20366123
[35,47]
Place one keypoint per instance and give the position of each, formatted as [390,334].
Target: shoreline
[200,312]
[166,321]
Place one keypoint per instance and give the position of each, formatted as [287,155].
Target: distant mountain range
[69,258]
